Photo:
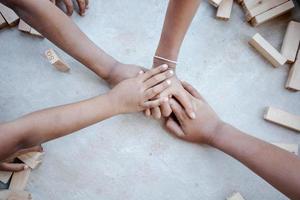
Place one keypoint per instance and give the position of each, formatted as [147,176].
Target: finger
[147,112]
[87,4]
[156,113]
[38,148]
[165,109]
[188,87]
[187,104]
[174,128]
[154,71]
[152,92]
[13,167]
[154,103]
[154,80]
[178,111]
[81,5]
[53,1]
[69,7]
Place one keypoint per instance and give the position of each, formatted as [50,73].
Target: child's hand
[82,5]
[203,128]
[134,94]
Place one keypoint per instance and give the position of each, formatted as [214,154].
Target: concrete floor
[130,156]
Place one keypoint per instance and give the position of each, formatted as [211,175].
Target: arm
[177,21]
[45,17]
[42,126]
[277,166]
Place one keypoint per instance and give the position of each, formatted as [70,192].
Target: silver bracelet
[165,59]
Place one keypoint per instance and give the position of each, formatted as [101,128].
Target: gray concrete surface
[129,156]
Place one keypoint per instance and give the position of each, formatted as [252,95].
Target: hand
[134,94]
[203,128]
[82,4]
[121,71]
[7,165]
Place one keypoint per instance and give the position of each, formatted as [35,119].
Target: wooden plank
[32,159]
[34,32]
[19,180]
[5,176]
[8,14]
[291,41]
[293,148]
[283,118]
[215,3]
[2,22]
[267,50]
[293,81]
[23,26]
[263,6]
[14,195]
[56,61]
[235,196]
[272,13]
[224,9]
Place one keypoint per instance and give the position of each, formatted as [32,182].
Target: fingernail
[169,82]
[141,72]
[193,115]
[170,73]
[165,99]
[164,66]
[26,167]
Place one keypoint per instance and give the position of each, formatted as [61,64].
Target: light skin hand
[136,94]
[203,128]
[82,5]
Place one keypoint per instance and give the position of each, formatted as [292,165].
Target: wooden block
[34,32]
[23,26]
[2,22]
[235,196]
[8,14]
[215,3]
[249,4]
[224,9]
[293,81]
[14,195]
[282,118]
[291,41]
[272,13]
[19,180]
[5,176]
[56,61]
[267,50]
[263,6]
[293,148]
[32,159]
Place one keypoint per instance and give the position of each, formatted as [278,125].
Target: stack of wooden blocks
[18,180]
[9,18]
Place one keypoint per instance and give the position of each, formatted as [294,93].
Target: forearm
[278,167]
[41,126]
[45,17]
[177,21]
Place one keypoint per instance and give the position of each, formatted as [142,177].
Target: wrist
[219,133]
[115,104]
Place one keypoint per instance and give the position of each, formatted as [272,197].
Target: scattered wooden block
[267,50]
[23,26]
[293,148]
[56,61]
[34,32]
[272,13]
[263,6]
[235,196]
[19,180]
[2,22]
[5,176]
[293,81]
[9,15]
[291,41]
[215,3]
[224,9]
[32,159]
[14,195]
[282,118]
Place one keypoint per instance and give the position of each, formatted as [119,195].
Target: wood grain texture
[263,6]
[56,61]
[23,26]
[2,22]
[224,9]
[272,13]
[8,14]
[293,81]
[267,50]
[291,41]
[19,180]
[5,176]
[215,3]
[282,118]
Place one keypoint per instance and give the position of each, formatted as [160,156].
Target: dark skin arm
[278,167]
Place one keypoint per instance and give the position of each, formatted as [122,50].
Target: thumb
[173,127]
